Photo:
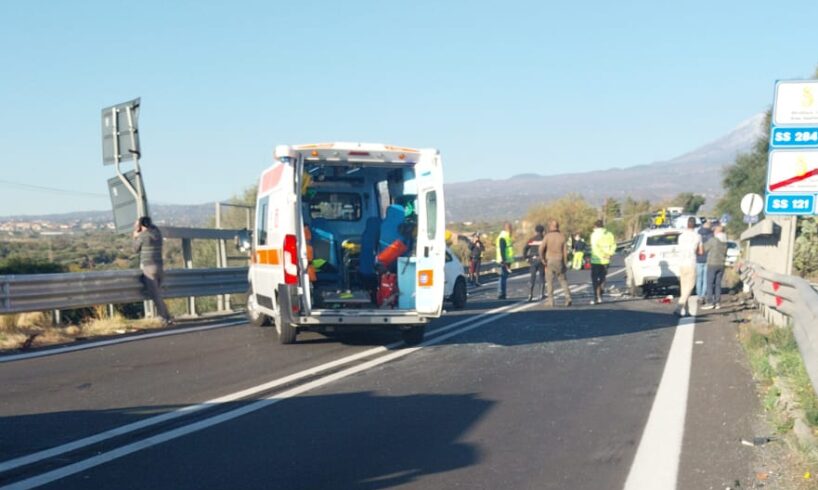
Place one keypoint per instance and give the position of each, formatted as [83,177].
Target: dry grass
[27,330]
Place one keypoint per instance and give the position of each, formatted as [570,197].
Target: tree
[748,174]
[636,215]
[573,213]
[805,258]
[611,209]
[689,201]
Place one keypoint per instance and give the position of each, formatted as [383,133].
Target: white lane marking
[493,314]
[133,447]
[180,412]
[656,464]
[122,340]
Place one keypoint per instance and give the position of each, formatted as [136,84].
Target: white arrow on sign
[752,204]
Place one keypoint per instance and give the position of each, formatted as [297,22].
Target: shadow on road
[353,440]
[565,324]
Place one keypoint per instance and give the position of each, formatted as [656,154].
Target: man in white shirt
[690,245]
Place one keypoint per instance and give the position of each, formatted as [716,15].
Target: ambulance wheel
[255,317]
[459,295]
[286,332]
[638,291]
[414,334]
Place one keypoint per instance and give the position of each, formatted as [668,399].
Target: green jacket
[603,246]
[504,245]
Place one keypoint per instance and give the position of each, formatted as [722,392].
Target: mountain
[171,214]
[698,171]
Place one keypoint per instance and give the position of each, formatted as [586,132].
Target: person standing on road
[690,245]
[603,247]
[476,249]
[536,266]
[701,263]
[579,252]
[505,257]
[716,251]
[147,242]
[554,254]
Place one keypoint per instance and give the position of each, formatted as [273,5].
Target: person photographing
[147,242]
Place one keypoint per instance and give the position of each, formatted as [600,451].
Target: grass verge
[29,330]
[786,391]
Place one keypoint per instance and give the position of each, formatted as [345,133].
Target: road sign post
[792,169]
[120,141]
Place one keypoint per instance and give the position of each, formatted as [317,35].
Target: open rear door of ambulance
[431,242]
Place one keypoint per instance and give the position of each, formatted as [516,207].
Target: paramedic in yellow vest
[505,257]
[603,246]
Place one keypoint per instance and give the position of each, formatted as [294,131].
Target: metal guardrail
[793,297]
[22,293]
[40,292]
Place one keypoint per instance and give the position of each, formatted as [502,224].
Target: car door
[431,245]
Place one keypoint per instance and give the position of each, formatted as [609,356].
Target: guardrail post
[187,257]
[57,317]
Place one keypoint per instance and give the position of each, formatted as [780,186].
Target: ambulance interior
[360,229]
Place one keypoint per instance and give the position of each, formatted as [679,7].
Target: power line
[54,190]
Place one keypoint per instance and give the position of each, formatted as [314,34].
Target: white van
[349,234]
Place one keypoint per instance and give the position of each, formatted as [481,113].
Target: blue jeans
[701,280]
[501,284]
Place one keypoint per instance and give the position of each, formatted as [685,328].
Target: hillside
[698,171]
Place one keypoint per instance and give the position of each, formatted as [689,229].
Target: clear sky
[502,88]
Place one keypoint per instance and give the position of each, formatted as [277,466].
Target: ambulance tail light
[290,260]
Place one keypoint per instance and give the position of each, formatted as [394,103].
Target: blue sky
[502,88]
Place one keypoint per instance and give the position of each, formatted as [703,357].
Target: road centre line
[492,315]
[180,412]
[121,340]
[157,439]
[656,464]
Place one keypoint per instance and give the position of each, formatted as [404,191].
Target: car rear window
[662,240]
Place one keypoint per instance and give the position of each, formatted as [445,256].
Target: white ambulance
[349,234]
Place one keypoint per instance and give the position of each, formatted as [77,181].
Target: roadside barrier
[785,299]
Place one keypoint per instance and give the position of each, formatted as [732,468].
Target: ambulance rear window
[336,206]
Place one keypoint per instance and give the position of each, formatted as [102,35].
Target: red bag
[387,290]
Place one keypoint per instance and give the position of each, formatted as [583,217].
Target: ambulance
[348,235]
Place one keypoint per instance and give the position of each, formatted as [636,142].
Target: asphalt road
[503,394]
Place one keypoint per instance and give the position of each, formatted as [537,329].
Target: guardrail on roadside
[40,292]
[22,293]
[788,299]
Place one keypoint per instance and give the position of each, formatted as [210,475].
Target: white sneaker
[718,306]
[709,307]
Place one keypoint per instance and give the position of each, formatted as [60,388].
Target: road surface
[503,394]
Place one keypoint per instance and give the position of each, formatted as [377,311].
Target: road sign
[120,132]
[750,220]
[752,204]
[792,166]
[124,202]
[790,204]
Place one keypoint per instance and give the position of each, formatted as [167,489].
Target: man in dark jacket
[147,242]
[476,249]
[716,252]
[536,266]
[554,254]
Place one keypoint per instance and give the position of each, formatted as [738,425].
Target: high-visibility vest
[603,246]
[509,258]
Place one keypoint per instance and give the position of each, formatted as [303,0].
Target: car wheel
[460,294]
[255,317]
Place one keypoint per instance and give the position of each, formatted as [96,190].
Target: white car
[653,261]
[733,253]
[454,289]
